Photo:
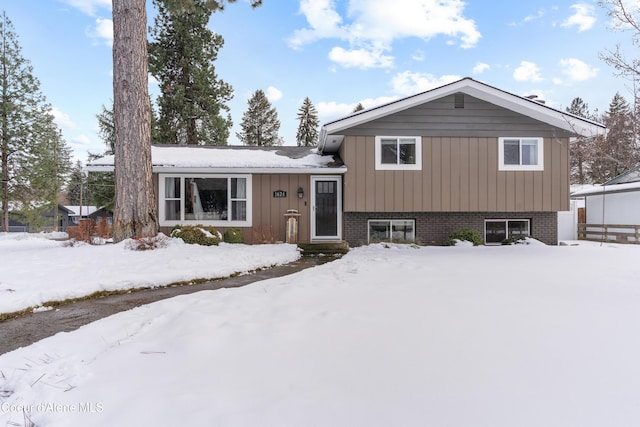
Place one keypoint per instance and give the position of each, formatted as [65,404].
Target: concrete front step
[324,248]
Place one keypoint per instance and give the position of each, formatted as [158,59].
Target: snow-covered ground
[36,268]
[385,336]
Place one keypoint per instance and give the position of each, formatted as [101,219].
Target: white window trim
[217,223]
[386,166]
[538,167]
[506,220]
[390,221]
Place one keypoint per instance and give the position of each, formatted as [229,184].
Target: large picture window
[392,230]
[521,153]
[210,200]
[397,153]
[498,230]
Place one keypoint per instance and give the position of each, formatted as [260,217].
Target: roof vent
[458,100]
[535,98]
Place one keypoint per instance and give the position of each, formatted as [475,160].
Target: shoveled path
[25,330]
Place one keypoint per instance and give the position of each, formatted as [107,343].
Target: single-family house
[78,212]
[48,223]
[464,155]
[612,210]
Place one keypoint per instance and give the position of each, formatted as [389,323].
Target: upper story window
[521,154]
[398,153]
[217,200]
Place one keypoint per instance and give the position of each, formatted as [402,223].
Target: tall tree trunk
[135,211]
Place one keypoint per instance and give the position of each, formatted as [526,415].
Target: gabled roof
[233,159]
[632,175]
[86,210]
[331,137]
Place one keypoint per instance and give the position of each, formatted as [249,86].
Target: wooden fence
[612,233]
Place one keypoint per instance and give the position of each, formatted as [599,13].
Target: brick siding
[432,228]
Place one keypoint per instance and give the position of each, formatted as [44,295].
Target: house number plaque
[279,193]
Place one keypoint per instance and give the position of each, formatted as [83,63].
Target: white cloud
[102,31]
[360,58]
[540,14]
[332,110]
[90,7]
[62,119]
[527,72]
[583,18]
[81,140]
[481,67]
[375,24]
[273,94]
[407,83]
[577,70]
[323,19]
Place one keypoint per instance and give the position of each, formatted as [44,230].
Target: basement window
[498,230]
[392,230]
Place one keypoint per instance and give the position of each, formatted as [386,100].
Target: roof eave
[570,123]
[229,170]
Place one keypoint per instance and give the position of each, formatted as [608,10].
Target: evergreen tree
[307,134]
[34,159]
[615,153]
[358,107]
[78,187]
[106,129]
[581,147]
[102,184]
[135,211]
[181,57]
[260,123]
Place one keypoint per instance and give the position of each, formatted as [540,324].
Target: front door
[326,216]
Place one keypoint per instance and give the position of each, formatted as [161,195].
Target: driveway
[25,330]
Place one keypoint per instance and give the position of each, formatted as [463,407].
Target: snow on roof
[86,210]
[599,189]
[229,157]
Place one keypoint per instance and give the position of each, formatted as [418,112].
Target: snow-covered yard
[385,336]
[36,268]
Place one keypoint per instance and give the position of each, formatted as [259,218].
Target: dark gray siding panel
[441,118]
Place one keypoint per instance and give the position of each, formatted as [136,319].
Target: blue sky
[337,53]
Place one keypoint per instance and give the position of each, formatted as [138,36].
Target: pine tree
[260,123]
[181,57]
[358,107]
[307,134]
[135,209]
[34,157]
[581,146]
[102,184]
[615,153]
[78,187]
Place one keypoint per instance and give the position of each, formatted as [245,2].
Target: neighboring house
[463,155]
[49,223]
[612,210]
[88,212]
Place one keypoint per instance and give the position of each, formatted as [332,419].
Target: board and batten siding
[459,174]
[269,222]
